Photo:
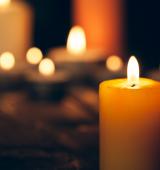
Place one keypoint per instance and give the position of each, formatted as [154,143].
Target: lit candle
[34,56]
[103,23]
[15,24]
[129,120]
[7,61]
[11,75]
[76,50]
[114,63]
[46,67]
[112,68]
[47,82]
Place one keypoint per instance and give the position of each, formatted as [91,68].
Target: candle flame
[114,63]
[76,43]
[4,2]
[7,61]
[133,71]
[46,67]
[34,55]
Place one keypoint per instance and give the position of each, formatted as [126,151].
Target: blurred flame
[4,2]
[7,61]
[114,63]
[133,71]
[46,67]
[34,55]
[76,42]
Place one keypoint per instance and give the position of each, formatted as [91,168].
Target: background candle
[15,27]
[34,56]
[46,83]
[129,123]
[76,49]
[11,72]
[102,21]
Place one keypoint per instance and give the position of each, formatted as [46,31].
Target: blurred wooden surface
[37,135]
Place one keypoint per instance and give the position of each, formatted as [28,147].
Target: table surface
[39,135]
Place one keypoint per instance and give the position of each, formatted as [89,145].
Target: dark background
[53,21]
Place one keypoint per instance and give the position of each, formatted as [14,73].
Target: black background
[53,21]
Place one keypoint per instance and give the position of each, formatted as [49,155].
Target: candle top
[132,81]
[123,84]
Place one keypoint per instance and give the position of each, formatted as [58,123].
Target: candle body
[102,21]
[129,120]
[15,28]
[89,56]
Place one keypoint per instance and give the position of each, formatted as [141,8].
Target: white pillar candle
[15,27]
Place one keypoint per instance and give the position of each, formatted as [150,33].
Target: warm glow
[76,42]
[46,67]
[34,56]
[114,63]
[4,2]
[133,71]
[7,61]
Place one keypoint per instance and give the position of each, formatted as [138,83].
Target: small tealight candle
[47,83]
[129,122]
[47,67]
[7,61]
[114,63]
[34,56]
[112,68]
[76,50]
[10,73]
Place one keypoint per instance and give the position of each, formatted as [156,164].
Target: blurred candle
[103,23]
[76,49]
[129,122]
[34,56]
[114,63]
[7,61]
[76,43]
[47,83]
[15,25]
[46,67]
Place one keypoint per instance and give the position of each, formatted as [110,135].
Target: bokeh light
[47,67]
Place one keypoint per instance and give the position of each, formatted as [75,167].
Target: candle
[47,82]
[11,74]
[7,61]
[103,23]
[112,68]
[15,24]
[34,56]
[76,50]
[46,67]
[129,120]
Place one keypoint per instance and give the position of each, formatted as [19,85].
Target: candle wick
[133,85]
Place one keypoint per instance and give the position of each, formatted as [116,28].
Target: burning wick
[133,72]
